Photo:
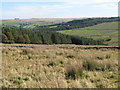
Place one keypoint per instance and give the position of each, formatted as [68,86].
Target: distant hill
[105,31]
[100,29]
[35,21]
[75,24]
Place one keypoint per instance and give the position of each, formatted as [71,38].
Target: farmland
[31,23]
[48,66]
[101,31]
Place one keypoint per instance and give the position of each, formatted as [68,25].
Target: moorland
[37,53]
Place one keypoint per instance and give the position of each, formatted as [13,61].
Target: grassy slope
[102,26]
[46,67]
[101,31]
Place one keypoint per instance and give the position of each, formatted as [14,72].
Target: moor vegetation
[48,66]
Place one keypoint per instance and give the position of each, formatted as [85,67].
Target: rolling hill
[104,31]
[31,23]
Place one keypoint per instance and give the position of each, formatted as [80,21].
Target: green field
[27,24]
[103,26]
[101,31]
[31,23]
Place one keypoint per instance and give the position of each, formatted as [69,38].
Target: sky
[25,9]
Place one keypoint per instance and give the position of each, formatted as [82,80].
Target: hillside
[75,24]
[57,24]
[104,31]
[103,26]
[31,23]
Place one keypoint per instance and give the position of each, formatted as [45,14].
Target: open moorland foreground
[48,66]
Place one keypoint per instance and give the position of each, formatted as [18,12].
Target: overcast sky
[58,8]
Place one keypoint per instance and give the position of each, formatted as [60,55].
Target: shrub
[89,65]
[74,71]
[4,51]
[93,65]
[106,66]
[26,52]
[61,62]
[107,56]
[30,57]
[100,58]
[70,74]
[52,63]
[70,56]
[16,81]
[103,57]
[80,74]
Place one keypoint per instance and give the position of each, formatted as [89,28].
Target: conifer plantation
[25,36]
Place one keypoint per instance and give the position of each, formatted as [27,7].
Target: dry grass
[45,19]
[50,67]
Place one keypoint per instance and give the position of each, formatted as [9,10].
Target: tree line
[26,36]
[75,24]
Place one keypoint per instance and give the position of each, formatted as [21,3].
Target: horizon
[54,18]
[58,9]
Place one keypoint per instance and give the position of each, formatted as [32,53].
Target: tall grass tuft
[74,71]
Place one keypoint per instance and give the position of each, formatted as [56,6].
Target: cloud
[30,11]
[26,12]
[68,8]
[106,5]
[72,1]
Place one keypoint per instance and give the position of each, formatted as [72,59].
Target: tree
[26,37]
[21,39]
[4,38]
[56,39]
[39,42]
[10,37]
[14,34]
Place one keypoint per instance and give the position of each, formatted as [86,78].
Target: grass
[48,66]
[97,32]
[102,26]
[74,71]
[35,21]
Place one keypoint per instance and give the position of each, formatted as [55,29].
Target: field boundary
[69,47]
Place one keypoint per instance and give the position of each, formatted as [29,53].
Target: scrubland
[53,67]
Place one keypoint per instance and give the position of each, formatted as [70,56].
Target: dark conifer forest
[24,36]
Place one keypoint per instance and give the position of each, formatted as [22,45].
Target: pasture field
[104,26]
[103,31]
[48,66]
[26,23]
[30,23]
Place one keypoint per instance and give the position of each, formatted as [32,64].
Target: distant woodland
[17,35]
[47,35]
